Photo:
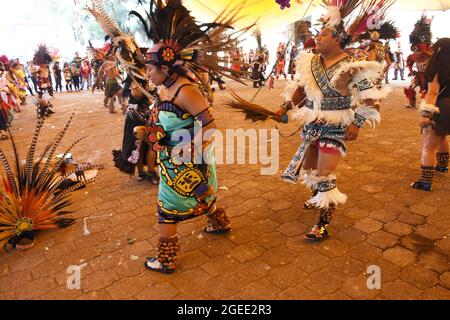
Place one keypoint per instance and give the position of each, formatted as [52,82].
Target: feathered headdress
[123,45]
[422,32]
[4,60]
[181,40]
[42,56]
[35,195]
[347,27]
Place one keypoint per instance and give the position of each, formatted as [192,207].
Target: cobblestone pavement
[385,223]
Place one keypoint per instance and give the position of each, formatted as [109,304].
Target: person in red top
[86,74]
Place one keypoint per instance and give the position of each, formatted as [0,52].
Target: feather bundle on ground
[34,195]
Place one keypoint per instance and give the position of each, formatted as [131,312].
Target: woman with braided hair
[176,64]
[182,54]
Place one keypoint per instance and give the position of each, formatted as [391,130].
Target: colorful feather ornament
[35,196]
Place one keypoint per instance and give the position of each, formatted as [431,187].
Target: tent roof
[269,14]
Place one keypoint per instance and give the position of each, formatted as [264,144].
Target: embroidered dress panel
[186,190]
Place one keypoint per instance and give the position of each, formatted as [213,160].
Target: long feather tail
[252,111]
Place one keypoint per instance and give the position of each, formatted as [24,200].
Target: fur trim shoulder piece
[305,78]
[360,70]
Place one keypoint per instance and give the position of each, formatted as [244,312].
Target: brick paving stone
[435,261]
[311,262]
[222,265]
[126,288]
[323,282]
[4,270]
[243,235]
[347,266]
[292,229]
[247,252]
[298,293]
[279,256]
[11,295]
[217,248]
[423,210]
[411,219]
[445,280]
[287,276]
[99,280]
[430,232]
[350,236]
[398,228]
[371,188]
[62,293]
[399,256]
[382,239]
[356,213]
[15,280]
[158,291]
[389,271]
[36,288]
[253,291]
[273,239]
[436,293]
[95,295]
[332,248]
[356,288]
[400,290]
[251,271]
[219,289]
[191,280]
[384,223]
[420,277]
[443,246]
[192,260]
[368,225]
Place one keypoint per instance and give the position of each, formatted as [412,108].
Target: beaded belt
[335,103]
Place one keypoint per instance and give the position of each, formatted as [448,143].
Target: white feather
[372,115]
[333,16]
[324,199]
[309,178]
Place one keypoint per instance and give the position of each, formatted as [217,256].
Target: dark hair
[181,71]
[440,62]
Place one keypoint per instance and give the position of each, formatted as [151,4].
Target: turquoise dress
[186,190]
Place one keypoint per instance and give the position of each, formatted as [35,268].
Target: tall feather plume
[8,169]
[55,145]
[32,149]
[371,13]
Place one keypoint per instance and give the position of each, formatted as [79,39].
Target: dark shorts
[442,119]
[111,89]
